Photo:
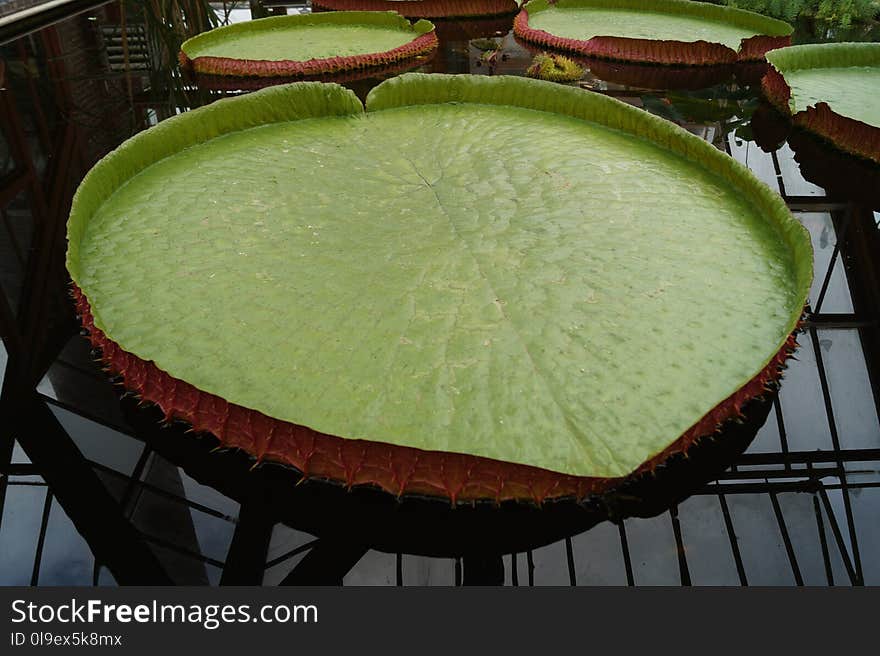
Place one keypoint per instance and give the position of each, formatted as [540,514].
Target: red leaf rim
[237,83]
[648,76]
[652,51]
[847,134]
[228,66]
[422,8]
[398,470]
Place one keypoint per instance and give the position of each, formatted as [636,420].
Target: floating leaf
[481,287]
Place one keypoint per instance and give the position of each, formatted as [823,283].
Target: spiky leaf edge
[669,77]
[396,469]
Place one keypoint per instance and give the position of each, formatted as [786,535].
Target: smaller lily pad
[308,44]
[830,89]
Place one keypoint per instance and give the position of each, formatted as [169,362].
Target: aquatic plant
[555,68]
[393,330]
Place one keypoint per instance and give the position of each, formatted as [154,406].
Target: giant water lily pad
[308,44]
[830,89]
[477,288]
[652,31]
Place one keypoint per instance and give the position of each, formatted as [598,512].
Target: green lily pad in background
[308,43]
[845,76]
[657,31]
[585,22]
[830,89]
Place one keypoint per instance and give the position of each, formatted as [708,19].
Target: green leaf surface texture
[493,266]
[846,76]
[672,20]
[307,36]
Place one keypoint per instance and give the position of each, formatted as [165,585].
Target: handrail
[38,16]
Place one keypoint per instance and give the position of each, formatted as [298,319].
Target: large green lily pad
[845,76]
[498,267]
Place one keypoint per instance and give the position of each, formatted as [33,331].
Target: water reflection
[840,173]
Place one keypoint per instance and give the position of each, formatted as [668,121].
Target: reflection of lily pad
[465,29]
[704,106]
[307,44]
[444,321]
[843,175]
[830,89]
[486,45]
[652,31]
[769,128]
[839,173]
[650,76]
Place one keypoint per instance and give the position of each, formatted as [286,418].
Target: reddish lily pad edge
[232,84]
[399,470]
[845,133]
[425,41]
[772,34]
